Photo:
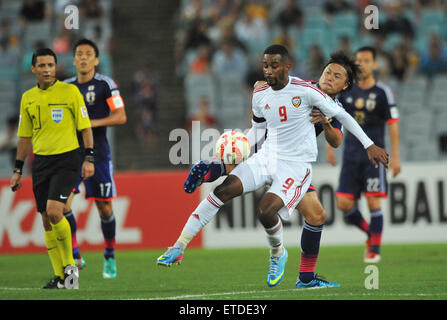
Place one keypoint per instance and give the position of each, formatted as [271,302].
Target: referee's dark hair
[87,42]
[352,69]
[42,52]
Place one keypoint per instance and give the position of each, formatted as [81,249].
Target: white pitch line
[205,295]
[18,289]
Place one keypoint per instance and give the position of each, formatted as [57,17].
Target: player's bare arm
[332,136]
[117,117]
[395,151]
[88,168]
[23,148]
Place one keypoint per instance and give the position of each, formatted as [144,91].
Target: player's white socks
[203,214]
[275,239]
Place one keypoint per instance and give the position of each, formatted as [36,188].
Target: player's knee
[267,216]
[104,208]
[228,189]
[318,217]
[344,204]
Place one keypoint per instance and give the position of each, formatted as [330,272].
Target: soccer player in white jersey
[283,107]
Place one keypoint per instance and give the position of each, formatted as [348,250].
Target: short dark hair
[87,42]
[352,69]
[369,49]
[278,49]
[42,52]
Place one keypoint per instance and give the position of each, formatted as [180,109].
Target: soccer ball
[232,147]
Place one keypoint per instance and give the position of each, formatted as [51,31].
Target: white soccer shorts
[289,179]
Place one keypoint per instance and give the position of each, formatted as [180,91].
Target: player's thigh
[252,173]
[311,208]
[290,183]
[101,186]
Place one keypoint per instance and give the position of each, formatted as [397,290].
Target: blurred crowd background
[177,61]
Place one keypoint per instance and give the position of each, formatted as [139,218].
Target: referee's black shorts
[54,177]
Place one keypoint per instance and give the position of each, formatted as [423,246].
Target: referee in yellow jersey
[50,115]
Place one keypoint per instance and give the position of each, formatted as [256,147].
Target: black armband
[18,167]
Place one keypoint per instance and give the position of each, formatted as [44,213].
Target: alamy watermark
[72,18]
[372,280]
[371,21]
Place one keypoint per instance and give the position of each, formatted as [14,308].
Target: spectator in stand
[316,62]
[202,63]
[229,59]
[250,29]
[396,21]
[9,139]
[399,63]
[9,55]
[34,11]
[203,115]
[6,34]
[291,15]
[146,86]
[91,9]
[434,58]
[332,7]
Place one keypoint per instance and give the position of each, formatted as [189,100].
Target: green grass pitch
[410,271]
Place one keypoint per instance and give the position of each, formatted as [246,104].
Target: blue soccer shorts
[101,185]
[362,177]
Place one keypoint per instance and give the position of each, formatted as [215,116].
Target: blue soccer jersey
[101,96]
[372,108]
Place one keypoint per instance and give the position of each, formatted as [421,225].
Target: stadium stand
[170,34]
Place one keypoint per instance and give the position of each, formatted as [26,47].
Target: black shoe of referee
[55,283]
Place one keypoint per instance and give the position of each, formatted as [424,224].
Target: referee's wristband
[18,167]
[89,155]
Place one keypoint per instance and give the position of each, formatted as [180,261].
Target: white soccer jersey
[291,135]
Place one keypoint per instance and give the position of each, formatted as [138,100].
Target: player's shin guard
[63,240]
[73,227]
[53,253]
[275,239]
[203,214]
[108,228]
[310,246]
[375,229]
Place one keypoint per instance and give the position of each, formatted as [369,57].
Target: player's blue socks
[108,227]
[73,227]
[216,170]
[375,230]
[354,217]
[310,246]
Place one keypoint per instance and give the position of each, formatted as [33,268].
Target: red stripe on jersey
[390,121]
[261,88]
[306,84]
